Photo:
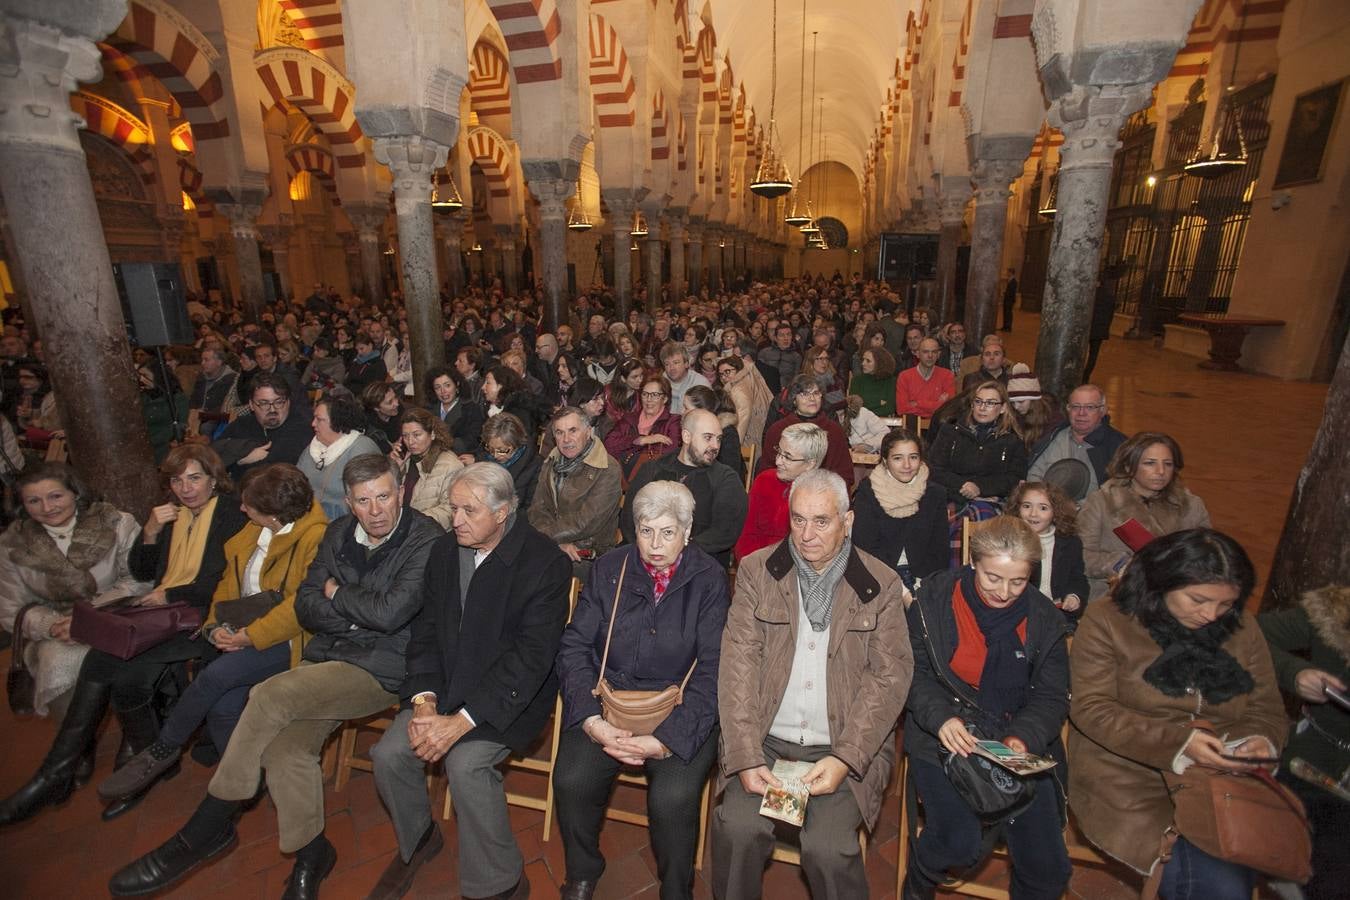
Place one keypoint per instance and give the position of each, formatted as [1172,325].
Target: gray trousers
[489,859]
[283,729]
[743,840]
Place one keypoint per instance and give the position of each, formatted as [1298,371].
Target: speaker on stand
[154,306]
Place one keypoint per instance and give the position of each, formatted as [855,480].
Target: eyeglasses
[986,404]
[653,395]
[782,454]
[500,452]
[1086,407]
[271,404]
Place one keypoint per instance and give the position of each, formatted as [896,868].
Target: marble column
[278,238]
[953,211]
[412,160]
[677,279]
[695,259]
[369,222]
[510,259]
[59,247]
[716,255]
[450,230]
[243,218]
[552,183]
[1090,123]
[992,178]
[651,264]
[620,220]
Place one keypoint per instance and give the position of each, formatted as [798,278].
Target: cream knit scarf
[898,500]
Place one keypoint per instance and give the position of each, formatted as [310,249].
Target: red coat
[766,521]
[838,459]
[620,440]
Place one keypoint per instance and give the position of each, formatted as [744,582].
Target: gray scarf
[817,588]
[562,466]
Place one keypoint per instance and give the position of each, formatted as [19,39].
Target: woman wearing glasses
[801,448]
[649,431]
[505,443]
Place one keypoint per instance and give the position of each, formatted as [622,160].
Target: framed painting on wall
[1310,127]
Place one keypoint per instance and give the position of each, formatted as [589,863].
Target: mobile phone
[1338,696]
[1252,760]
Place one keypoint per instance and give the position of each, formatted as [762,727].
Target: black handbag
[19,684]
[991,791]
[244,611]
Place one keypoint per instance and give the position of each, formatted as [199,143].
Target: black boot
[140,728]
[84,769]
[55,778]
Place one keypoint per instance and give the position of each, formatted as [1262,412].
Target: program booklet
[787,803]
[1010,759]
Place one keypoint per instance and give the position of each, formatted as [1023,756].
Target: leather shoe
[306,876]
[46,788]
[519,891]
[578,890]
[126,804]
[398,876]
[166,864]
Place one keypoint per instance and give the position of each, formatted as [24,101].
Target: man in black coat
[719,494]
[275,432]
[480,684]
[358,600]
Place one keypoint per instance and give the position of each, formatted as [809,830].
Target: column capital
[952,205]
[411,160]
[243,218]
[275,236]
[368,218]
[1090,118]
[992,179]
[40,65]
[552,194]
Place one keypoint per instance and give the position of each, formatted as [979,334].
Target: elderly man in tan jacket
[816,665]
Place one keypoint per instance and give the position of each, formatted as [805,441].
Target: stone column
[695,258]
[677,286]
[953,211]
[243,217]
[450,230]
[369,221]
[1090,122]
[552,183]
[992,178]
[59,247]
[620,221]
[652,261]
[412,160]
[510,259]
[278,238]
[714,239]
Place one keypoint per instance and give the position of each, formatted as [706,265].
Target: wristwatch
[423,699]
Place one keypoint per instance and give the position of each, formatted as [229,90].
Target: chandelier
[639,228]
[810,228]
[448,202]
[794,217]
[1051,205]
[1220,162]
[771,177]
[577,219]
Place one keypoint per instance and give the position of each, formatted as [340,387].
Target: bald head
[702,433]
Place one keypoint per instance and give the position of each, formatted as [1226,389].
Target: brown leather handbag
[638,712]
[19,683]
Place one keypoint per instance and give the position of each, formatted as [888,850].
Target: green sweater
[878,394]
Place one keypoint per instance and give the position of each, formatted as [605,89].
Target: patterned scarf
[817,588]
[661,579]
[562,466]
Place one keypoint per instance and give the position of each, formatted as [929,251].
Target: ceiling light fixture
[771,177]
[795,217]
[448,202]
[1220,162]
[639,228]
[577,219]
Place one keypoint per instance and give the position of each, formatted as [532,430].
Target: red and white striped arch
[163,43]
[660,128]
[1222,22]
[959,59]
[681,145]
[119,127]
[309,83]
[318,161]
[490,86]
[487,148]
[318,21]
[612,87]
[531,29]
[724,108]
[190,180]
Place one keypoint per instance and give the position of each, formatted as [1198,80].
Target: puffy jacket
[996,463]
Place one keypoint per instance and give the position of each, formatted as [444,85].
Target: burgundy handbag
[126,631]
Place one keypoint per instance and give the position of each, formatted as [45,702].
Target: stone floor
[1245,438]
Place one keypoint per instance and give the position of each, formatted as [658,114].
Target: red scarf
[661,580]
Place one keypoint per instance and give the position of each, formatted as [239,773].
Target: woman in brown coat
[1169,649]
[1143,486]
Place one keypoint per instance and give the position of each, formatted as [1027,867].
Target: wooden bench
[1226,334]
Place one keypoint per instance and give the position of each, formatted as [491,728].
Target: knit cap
[1023,383]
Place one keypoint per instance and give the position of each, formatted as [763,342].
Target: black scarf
[1004,678]
[1195,658]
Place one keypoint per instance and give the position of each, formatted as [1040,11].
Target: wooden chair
[748,452]
[966,526]
[347,760]
[792,853]
[535,764]
[639,779]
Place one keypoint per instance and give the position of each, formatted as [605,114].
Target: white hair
[825,481]
[493,480]
[664,498]
[808,439]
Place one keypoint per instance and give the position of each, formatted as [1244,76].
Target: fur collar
[1328,610]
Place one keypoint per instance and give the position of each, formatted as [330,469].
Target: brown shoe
[398,876]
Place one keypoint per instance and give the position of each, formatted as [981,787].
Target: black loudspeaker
[907,256]
[153,303]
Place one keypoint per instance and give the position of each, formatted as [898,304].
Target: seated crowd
[801,544]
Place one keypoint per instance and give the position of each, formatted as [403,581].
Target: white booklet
[787,803]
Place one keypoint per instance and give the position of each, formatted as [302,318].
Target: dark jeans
[220,691]
[1192,874]
[583,779]
[952,835]
[133,680]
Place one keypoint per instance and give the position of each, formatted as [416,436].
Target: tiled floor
[1244,436]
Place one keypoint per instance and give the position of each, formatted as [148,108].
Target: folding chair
[748,452]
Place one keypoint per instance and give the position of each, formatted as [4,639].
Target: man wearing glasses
[272,434]
[1087,437]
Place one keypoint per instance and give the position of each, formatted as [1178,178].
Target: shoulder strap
[614,614]
[16,662]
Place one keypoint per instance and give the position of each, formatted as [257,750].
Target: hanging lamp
[448,202]
[795,217]
[477,247]
[639,228]
[1220,162]
[1051,205]
[809,227]
[577,218]
[823,242]
[771,176]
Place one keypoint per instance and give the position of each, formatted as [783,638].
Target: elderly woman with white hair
[801,448]
[650,616]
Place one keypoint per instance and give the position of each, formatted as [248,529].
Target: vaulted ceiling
[857,45]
